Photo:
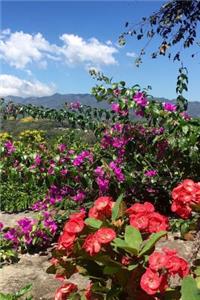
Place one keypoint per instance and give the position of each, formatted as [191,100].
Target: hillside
[57,101]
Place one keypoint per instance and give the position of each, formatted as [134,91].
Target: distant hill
[57,101]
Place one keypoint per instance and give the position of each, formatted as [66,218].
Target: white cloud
[12,85]
[76,50]
[131,54]
[20,49]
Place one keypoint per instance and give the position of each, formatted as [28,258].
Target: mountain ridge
[58,100]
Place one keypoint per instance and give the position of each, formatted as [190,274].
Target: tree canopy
[175,22]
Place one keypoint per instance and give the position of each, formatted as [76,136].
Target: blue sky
[48,46]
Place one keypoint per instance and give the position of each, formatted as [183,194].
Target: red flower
[76,216]
[64,291]
[150,282]
[102,203]
[66,240]
[105,235]
[157,260]
[157,222]
[125,260]
[88,292]
[184,211]
[74,226]
[102,208]
[139,221]
[147,207]
[177,265]
[185,198]
[93,213]
[91,244]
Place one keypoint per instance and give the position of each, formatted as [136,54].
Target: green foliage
[18,294]
[189,289]
[17,197]
[7,253]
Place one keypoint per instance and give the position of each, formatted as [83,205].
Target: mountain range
[58,100]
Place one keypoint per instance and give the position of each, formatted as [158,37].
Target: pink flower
[105,235]
[151,173]
[140,99]
[169,107]
[64,291]
[91,244]
[151,282]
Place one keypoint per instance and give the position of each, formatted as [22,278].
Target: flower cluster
[144,217]
[94,241]
[117,109]
[75,105]
[79,159]
[10,148]
[101,179]
[186,196]
[102,208]
[32,232]
[162,265]
[169,107]
[104,238]
[71,229]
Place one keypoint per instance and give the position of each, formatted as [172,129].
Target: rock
[30,269]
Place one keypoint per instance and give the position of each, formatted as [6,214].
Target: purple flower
[37,159]
[151,173]
[50,171]
[103,184]
[9,147]
[118,127]
[79,159]
[50,224]
[150,190]
[11,235]
[1,226]
[79,197]
[117,171]
[39,205]
[185,116]
[99,172]
[26,224]
[158,131]
[169,107]
[75,105]
[115,107]
[140,99]
[64,172]
[62,147]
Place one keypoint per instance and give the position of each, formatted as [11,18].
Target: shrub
[115,253]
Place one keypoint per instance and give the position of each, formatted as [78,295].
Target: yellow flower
[27,120]
[5,136]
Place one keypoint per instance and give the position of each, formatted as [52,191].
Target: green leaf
[93,223]
[133,238]
[116,208]
[189,290]
[185,129]
[119,243]
[132,267]
[24,290]
[109,270]
[152,241]
[6,297]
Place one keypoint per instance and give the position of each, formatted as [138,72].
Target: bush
[114,249]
